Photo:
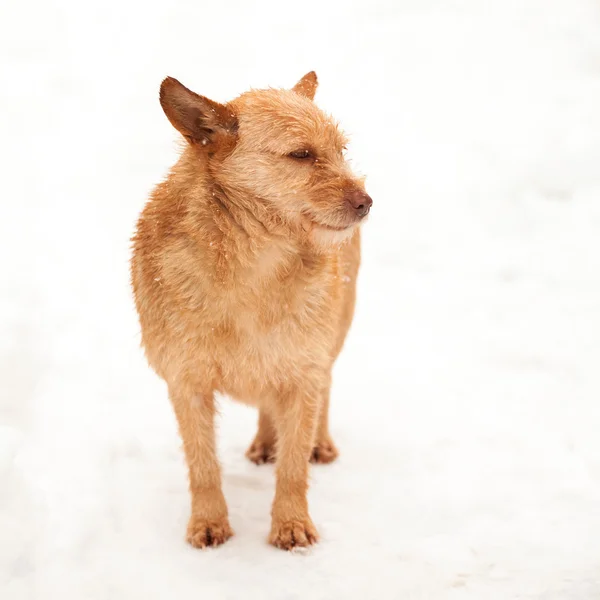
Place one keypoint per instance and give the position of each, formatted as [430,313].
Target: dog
[244,271]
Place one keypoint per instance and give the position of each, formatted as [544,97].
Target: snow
[466,403]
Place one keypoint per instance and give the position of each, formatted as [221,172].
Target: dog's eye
[302,154]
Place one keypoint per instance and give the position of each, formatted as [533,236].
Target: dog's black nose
[359,201]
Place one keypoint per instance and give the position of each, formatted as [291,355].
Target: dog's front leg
[296,415]
[208,524]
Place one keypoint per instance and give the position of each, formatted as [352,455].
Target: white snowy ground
[467,401]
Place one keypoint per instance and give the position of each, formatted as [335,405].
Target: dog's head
[277,147]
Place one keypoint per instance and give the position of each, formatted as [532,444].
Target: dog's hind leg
[324,450]
[262,449]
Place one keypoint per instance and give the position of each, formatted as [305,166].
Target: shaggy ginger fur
[244,270]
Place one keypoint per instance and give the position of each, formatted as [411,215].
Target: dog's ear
[307,86]
[198,119]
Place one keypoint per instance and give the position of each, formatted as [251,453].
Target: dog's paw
[287,535]
[202,533]
[324,452]
[261,452]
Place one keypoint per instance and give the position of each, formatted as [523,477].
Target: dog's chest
[289,314]
[281,322]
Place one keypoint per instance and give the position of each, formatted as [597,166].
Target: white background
[467,401]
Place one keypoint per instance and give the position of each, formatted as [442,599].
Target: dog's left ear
[307,86]
[198,119]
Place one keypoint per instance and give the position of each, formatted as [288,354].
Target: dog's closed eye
[301,154]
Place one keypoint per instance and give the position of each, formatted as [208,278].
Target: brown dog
[244,270]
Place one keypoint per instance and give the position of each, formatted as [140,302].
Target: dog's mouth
[318,223]
[327,235]
[332,227]
[333,222]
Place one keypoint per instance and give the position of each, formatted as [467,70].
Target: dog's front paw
[324,452]
[208,532]
[293,534]
[261,452]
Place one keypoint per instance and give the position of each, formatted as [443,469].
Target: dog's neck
[276,249]
[245,214]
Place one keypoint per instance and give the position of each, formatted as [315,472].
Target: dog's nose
[359,201]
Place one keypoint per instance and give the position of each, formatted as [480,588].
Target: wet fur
[244,271]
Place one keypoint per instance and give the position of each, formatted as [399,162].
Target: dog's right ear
[198,119]
[307,86]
